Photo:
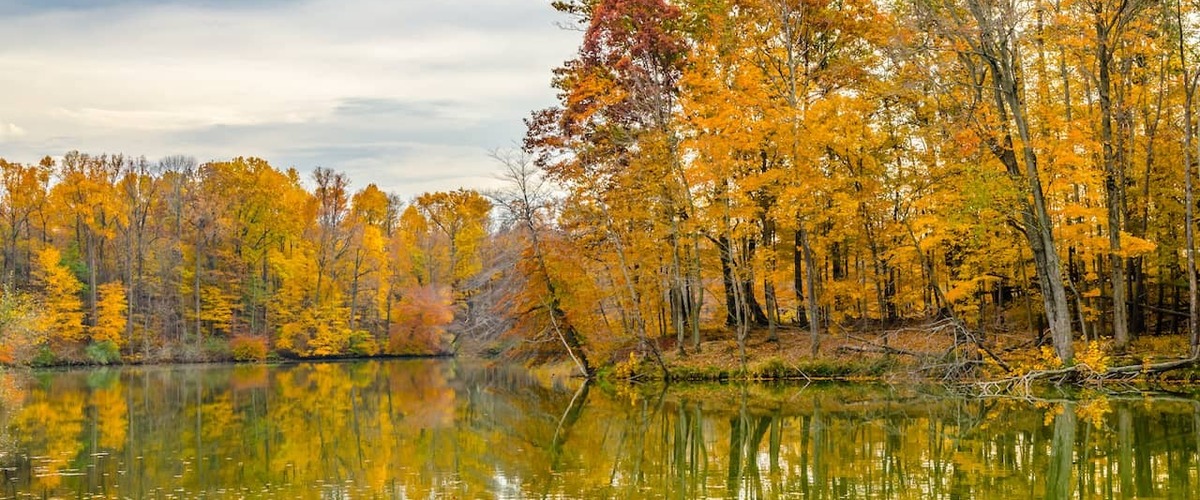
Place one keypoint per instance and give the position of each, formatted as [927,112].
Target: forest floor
[919,352]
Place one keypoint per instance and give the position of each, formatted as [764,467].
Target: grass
[789,358]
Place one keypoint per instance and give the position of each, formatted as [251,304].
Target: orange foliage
[246,348]
[421,320]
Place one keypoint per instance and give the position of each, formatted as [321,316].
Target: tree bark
[1113,179]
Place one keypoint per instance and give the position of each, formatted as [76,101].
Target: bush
[44,357]
[104,352]
[362,343]
[246,348]
[215,348]
[773,368]
[627,369]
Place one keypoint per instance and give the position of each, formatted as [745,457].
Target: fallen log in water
[1082,373]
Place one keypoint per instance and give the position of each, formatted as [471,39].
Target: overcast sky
[407,94]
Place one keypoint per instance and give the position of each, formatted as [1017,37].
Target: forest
[996,176]
[112,256]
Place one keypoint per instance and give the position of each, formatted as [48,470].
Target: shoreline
[898,356]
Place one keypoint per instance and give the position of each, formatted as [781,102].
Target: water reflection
[432,428]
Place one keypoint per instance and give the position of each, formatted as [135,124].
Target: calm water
[434,428]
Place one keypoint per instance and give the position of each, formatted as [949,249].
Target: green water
[439,428]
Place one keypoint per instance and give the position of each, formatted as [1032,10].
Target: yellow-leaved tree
[62,316]
[110,314]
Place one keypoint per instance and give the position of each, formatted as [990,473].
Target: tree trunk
[731,307]
[798,280]
[810,273]
[196,283]
[1189,201]
[754,310]
[1113,191]
[91,251]
[354,291]
[769,280]
[1190,231]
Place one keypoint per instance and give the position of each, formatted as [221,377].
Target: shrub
[627,369]
[362,343]
[772,368]
[44,357]
[246,348]
[104,352]
[215,348]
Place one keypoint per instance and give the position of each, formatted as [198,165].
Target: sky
[410,95]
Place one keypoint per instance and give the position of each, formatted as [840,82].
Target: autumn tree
[525,205]
[110,319]
[988,37]
[23,190]
[62,315]
[86,191]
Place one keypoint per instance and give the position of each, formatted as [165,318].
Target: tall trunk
[1189,201]
[91,251]
[354,291]
[639,322]
[747,284]
[131,291]
[810,273]
[878,265]
[731,307]
[196,284]
[798,279]
[769,280]
[742,309]
[1190,231]
[695,293]
[563,329]
[1053,289]
[1113,191]
[677,293]
[265,277]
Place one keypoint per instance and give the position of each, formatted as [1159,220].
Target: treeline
[1018,165]
[170,260]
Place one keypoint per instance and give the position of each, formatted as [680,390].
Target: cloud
[393,92]
[10,131]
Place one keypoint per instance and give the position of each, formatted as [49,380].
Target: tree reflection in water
[436,428]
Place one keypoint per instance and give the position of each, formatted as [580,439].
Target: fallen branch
[879,348]
[1155,368]
[1083,373]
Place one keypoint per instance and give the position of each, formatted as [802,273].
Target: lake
[441,428]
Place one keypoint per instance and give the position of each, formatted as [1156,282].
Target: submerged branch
[1082,373]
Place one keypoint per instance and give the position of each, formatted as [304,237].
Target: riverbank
[211,350]
[920,353]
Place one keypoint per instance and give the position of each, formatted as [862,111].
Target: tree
[332,209]
[23,190]
[110,319]
[460,218]
[524,204]
[987,37]
[62,315]
[86,190]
